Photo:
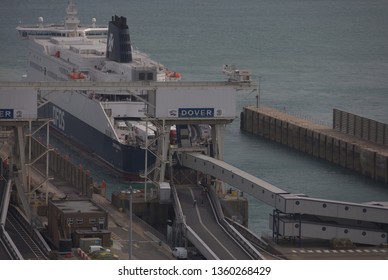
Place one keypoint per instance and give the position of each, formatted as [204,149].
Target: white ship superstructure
[101,122]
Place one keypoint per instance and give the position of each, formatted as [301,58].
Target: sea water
[309,56]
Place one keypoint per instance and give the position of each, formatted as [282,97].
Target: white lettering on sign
[59,118]
[6,113]
[196,112]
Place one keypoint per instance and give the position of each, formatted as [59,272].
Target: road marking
[200,220]
[115,236]
[309,251]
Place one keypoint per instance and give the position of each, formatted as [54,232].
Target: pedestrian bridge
[298,215]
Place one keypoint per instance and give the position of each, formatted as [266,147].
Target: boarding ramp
[321,218]
[10,249]
[231,229]
[189,232]
[205,230]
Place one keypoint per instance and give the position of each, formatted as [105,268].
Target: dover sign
[196,112]
[6,114]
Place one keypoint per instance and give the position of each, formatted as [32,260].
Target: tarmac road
[145,244]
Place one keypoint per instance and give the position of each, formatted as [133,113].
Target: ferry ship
[107,124]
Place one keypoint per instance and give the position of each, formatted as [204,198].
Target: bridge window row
[324,205]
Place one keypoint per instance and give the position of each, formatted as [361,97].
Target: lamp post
[130,222]
[258,95]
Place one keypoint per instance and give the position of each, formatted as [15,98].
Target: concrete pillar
[165,146]
[218,132]
[309,141]
[343,153]
[329,148]
[316,143]
[381,170]
[272,128]
[21,184]
[290,135]
[322,146]
[284,133]
[380,127]
[260,128]
[357,158]
[278,128]
[296,137]
[302,139]
[248,126]
[266,127]
[349,155]
[368,159]
[336,151]
[255,123]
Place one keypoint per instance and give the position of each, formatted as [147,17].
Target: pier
[188,180]
[354,142]
[92,221]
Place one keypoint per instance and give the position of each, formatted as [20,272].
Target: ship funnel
[118,46]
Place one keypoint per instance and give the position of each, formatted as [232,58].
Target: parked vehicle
[179,253]
[97,248]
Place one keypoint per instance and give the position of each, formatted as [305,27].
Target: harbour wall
[355,152]
[360,127]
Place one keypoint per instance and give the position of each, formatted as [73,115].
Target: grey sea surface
[310,56]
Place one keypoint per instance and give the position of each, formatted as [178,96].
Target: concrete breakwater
[369,158]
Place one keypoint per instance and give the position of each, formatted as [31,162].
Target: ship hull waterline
[124,160]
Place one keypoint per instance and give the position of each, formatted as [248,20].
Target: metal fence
[360,127]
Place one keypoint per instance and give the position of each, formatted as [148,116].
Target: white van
[97,248]
[179,253]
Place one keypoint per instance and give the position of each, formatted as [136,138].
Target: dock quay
[354,142]
[72,187]
[190,198]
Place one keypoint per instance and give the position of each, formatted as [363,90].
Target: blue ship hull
[129,161]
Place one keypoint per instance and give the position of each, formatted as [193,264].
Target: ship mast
[71,20]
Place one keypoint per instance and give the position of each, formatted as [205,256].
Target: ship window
[150,76]
[141,76]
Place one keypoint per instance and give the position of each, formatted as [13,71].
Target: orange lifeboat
[173,75]
[77,76]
